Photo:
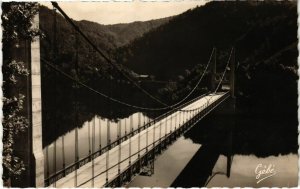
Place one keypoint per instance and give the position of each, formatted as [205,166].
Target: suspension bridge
[133,152]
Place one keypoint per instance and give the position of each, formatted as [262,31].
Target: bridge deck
[126,153]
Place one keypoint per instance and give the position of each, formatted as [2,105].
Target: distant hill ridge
[121,33]
[105,37]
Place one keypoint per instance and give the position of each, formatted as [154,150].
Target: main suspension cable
[124,103]
[55,4]
[196,86]
[127,77]
[215,91]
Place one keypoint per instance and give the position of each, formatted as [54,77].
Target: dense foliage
[16,23]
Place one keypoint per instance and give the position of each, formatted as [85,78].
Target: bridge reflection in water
[93,131]
[135,152]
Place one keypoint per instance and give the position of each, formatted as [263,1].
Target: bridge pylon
[28,145]
[232,74]
[213,66]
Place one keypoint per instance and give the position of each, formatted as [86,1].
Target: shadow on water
[225,133]
[202,164]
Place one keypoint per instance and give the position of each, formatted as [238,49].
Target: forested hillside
[264,35]
[257,30]
[106,37]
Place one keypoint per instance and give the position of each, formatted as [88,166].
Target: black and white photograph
[149,93]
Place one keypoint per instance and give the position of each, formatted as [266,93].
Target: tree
[16,22]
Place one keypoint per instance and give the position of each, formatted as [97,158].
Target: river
[97,127]
[199,157]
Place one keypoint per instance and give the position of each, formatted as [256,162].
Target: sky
[113,12]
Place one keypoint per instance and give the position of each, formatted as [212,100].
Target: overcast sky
[124,12]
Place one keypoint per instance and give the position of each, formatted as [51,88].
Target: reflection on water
[96,132]
[168,165]
[248,140]
[201,152]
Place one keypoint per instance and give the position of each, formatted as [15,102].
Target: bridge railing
[129,171]
[155,147]
[198,115]
[76,165]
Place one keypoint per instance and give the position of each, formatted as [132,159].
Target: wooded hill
[264,35]
[256,30]
[106,37]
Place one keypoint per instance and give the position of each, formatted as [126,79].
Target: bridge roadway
[126,154]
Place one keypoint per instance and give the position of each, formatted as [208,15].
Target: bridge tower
[232,74]
[213,70]
[29,143]
[36,111]
[232,81]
